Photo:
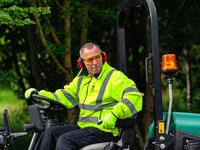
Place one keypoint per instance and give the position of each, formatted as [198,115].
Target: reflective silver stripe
[103,87]
[69,97]
[56,97]
[130,89]
[88,119]
[142,93]
[130,105]
[99,104]
[79,86]
[96,107]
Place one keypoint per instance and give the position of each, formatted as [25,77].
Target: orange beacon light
[169,66]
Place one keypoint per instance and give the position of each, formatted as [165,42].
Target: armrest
[125,123]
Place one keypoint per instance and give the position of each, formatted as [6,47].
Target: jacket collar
[84,72]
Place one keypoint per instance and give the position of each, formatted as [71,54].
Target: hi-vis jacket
[98,96]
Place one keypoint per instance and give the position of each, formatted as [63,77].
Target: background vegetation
[40,40]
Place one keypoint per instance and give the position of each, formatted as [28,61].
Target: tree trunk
[72,113]
[18,72]
[35,73]
[84,29]
[67,28]
[44,43]
[67,68]
[188,79]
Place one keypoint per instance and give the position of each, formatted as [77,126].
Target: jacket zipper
[100,115]
[86,92]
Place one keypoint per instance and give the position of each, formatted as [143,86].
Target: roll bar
[154,47]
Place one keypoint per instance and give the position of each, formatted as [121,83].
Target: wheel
[48,104]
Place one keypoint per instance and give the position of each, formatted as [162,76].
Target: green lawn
[17,109]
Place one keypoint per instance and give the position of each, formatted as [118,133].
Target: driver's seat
[96,146]
[127,142]
[127,138]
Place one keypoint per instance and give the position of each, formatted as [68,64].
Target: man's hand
[29,92]
[108,122]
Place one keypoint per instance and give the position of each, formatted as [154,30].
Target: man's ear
[81,63]
[103,54]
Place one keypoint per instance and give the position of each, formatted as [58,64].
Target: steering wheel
[46,106]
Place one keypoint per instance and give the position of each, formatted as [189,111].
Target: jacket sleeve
[66,96]
[126,93]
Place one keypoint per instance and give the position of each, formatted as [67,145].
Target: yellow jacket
[97,96]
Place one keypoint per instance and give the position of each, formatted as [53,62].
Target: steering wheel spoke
[46,103]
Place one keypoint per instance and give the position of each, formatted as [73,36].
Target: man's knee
[50,131]
[64,142]
[63,139]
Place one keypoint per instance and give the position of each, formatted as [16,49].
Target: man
[103,95]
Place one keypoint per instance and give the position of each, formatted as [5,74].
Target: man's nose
[94,61]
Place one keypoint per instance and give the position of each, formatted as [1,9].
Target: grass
[18,114]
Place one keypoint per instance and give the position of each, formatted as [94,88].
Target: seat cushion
[96,146]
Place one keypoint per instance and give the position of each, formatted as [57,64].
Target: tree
[179,35]
[13,15]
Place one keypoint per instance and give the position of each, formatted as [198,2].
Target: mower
[169,130]
[47,113]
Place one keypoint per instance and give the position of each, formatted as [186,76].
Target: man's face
[93,60]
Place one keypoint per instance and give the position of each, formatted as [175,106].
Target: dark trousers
[71,138]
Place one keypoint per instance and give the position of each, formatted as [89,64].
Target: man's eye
[97,57]
[91,59]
